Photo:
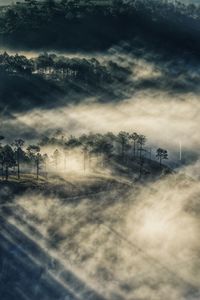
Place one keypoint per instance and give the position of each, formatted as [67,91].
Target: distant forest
[43,79]
[124,148]
[60,68]
[96,25]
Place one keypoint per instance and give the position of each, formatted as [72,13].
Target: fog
[139,245]
[100,232]
[163,119]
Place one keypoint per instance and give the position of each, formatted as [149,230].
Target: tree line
[92,24]
[52,66]
[124,148]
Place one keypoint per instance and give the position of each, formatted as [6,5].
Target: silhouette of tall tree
[141,141]
[104,147]
[2,161]
[72,143]
[44,62]
[18,144]
[45,160]
[161,154]
[134,137]
[1,155]
[123,139]
[8,159]
[35,156]
[56,157]
[83,140]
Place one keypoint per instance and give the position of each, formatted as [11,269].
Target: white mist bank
[165,120]
[142,246]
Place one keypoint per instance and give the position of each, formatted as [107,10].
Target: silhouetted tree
[103,147]
[44,63]
[34,154]
[72,143]
[141,141]
[31,2]
[123,138]
[161,154]
[2,161]
[56,156]
[141,163]
[8,159]
[45,160]
[18,144]
[134,137]
[85,149]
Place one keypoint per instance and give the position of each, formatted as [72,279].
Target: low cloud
[140,245]
[165,120]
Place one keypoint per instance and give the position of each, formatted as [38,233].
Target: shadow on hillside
[28,272]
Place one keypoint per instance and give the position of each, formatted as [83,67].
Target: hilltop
[98,25]
[73,186]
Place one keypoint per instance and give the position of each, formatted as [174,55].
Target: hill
[94,27]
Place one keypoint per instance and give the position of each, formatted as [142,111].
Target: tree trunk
[84,161]
[123,151]
[140,153]
[140,169]
[7,175]
[134,149]
[18,165]
[37,167]
[137,150]
[90,160]
[150,153]
[2,169]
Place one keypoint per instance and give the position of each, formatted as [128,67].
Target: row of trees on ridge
[123,148]
[59,67]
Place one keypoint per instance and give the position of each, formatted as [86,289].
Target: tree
[161,154]
[31,2]
[18,144]
[44,63]
[86,148]
[50,6]
[45,160]
[1,161]
[70,7]
[141,166]
[34,154]
[12,20]
[103,147]
[123,138]
[38,161]
[71,144]
[134,137]
[21,64]
[8,159]
[141,141]
[56,156]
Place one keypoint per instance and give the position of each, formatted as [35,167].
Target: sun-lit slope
[113,173]
[66,186]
